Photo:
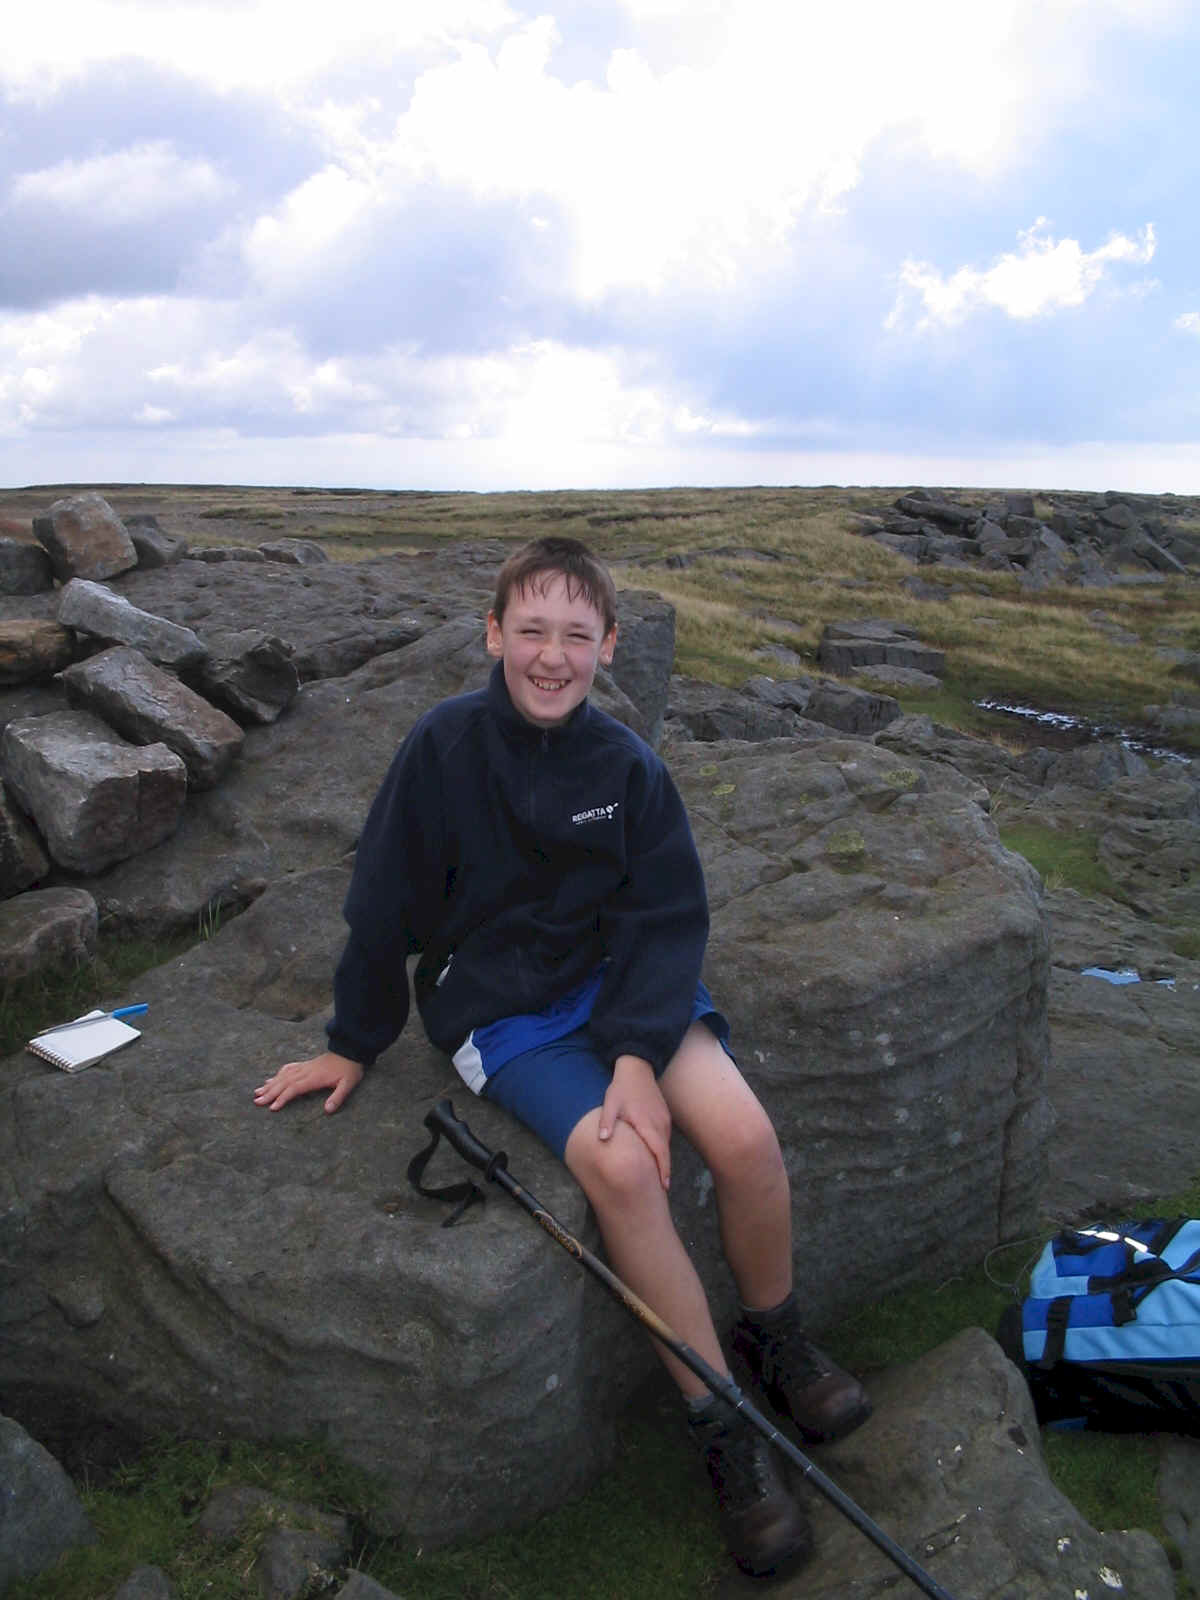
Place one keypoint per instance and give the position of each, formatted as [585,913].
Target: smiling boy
[536,854]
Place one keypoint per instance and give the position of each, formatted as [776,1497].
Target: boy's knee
[618,1170]
[749,1146]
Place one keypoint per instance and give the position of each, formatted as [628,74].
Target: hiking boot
[764,1528]
[799,1380]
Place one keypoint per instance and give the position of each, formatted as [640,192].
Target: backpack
[1109,1334]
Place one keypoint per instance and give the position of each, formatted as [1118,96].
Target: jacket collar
[514,725]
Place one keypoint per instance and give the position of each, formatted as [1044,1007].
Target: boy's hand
[326,1071]
[634,1097]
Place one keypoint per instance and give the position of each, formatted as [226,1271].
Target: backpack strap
[1058,1315]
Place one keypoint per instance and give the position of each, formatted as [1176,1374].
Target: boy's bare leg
[622,1183]
[718,1113]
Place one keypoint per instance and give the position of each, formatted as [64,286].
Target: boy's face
[551,646]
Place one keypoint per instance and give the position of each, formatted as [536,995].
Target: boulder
[40,1513]
[1121,1075]
[645,655]
[150,706]
[95,798]
[251,674]
[706,711]
[22,860]
[883,963]
[146,1583]
[92,609]
[24,567]
[31,650]
[46,928]
[951,1466]
[85,538]
[846,646]
[154,545]
[295,552]
[851,710]
[931,507]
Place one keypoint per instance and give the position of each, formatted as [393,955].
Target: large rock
[95,798]
[22,859]
[40,1513]
[950,1466]
[93,609]
[24,567]
[33,649]
[46,928]
[85,538]
[883,961]
[252,674]
[150,706]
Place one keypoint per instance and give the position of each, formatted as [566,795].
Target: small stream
[1059,730]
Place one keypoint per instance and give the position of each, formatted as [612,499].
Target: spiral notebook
[72,1049]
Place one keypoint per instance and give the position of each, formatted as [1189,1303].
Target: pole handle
[441,1120]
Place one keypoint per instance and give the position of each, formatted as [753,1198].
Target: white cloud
[1043,275]
[280,44]
[136,184]
[1189,322]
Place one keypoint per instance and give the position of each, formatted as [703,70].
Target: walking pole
[442,1122]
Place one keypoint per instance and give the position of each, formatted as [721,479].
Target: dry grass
[745,568]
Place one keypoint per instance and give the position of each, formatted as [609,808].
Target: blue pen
[82,1022]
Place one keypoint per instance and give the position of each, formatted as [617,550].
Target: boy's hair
[584,574]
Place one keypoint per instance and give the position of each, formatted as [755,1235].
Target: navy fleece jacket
[515,860]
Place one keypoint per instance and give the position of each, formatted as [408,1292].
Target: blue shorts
[553,1086]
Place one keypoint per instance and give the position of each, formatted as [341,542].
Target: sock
[698,1404]
[770,1316]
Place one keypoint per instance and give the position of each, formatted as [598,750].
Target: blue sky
[468,244]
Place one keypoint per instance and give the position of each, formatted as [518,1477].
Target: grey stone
[292,1561]
[85,538]
[95,798]
[851,710]
[1178,1477]
[645,654]
[146,1583]
[22,859]
[217,553]
[33,649]
[295,552]
[951,1466]
[154,545]
[40,1513]
[149,706]
[46,928]
[933,509]
[252,675]
[359,1587]
[93,609]
[25,568]
[707,712]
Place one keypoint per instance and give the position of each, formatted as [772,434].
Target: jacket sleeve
[395,894]
[654,929]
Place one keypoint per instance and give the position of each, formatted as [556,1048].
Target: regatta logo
[597,814]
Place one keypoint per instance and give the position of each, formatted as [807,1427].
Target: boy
[537,854]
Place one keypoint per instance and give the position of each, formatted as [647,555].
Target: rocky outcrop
[1091,539]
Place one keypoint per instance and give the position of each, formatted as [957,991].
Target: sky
[465,244]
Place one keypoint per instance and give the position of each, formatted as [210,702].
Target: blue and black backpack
[1109,1334]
